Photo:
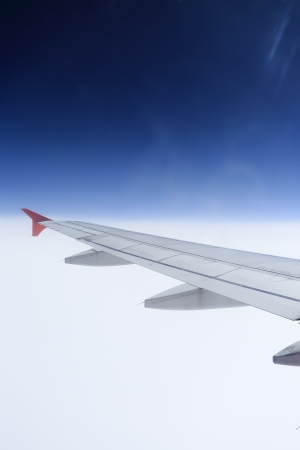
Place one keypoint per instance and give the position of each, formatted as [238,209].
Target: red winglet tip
[35,216]
[37,228]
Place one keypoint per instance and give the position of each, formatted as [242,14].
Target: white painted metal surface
[266,282]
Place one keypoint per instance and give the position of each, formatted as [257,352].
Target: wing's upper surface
[266,282]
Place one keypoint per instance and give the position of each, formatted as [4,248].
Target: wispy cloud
[279,31]
[283,47]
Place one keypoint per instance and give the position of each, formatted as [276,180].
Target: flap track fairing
[94,258]
[186,297]
[289,356]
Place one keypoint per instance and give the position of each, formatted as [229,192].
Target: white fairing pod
[289,356]
[186,297]
[94,258]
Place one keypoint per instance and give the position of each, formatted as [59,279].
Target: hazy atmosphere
[83,367]
[174,117]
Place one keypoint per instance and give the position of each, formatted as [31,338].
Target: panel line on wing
[261,269]
[256,268]
[208,276]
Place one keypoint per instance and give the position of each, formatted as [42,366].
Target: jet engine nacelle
[186,297]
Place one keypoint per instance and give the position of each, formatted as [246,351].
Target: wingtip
[35,216]
[37,228]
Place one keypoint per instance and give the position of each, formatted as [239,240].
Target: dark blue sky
[150,108]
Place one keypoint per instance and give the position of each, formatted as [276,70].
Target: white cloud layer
[83,367]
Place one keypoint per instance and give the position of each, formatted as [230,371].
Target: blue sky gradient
[152,109]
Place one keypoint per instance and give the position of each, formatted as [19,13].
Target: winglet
[37,228]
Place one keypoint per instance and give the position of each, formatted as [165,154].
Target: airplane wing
[214,277]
